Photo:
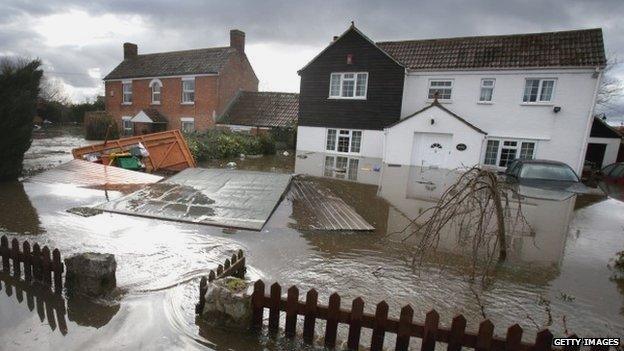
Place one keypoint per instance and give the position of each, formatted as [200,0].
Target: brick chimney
[130,50]
[237,40]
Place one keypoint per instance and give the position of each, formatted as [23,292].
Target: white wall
[399,139]
[561,136]
[315,139]
[611,151]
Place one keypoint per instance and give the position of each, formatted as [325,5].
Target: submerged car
[541,170]
[614,173]
[538,176]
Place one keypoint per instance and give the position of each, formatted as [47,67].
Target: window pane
[334,85]
[343,144]
[526,151]
[486,94]
[356,139]
[353,169]
[361,84]
[348,87]
[488,83]
[349,76]
[507,155]
[442,88]
[491,152]
[530,90]
[341,166]
[547,90]
[331,140]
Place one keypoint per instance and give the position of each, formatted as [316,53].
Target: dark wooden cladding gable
[385,87]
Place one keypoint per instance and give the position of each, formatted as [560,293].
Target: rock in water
[228,303]
[91,274]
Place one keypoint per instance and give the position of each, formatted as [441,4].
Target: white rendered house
[498,98]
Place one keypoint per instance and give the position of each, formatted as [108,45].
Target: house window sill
[155,103]
[537,104]
[485,102]
[126,103]
[353,154]
[440,101]
[346,98]
[187,103]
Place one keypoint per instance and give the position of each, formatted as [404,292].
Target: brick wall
[236,75]
[212,94]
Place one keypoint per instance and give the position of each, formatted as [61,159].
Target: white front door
[431,149]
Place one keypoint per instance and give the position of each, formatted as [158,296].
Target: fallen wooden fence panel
[167,150]
[431,332]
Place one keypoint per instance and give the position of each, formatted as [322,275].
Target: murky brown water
[159,262]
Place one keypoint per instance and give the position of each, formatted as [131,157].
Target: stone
[228,303]
[231,165]
[91,274]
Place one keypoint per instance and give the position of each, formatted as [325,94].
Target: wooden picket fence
[234,266]
[38,265]
[49,305]
[405,328]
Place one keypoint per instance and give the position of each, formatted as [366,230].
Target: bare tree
[51,90]
[477,207]
[611,88]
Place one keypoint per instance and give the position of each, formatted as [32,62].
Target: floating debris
[85,211]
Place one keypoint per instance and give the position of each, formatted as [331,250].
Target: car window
[608,169]
[548,172]
[512,167]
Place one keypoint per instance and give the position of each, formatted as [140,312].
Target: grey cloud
[189,24]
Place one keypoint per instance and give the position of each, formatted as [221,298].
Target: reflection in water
[49,305]
[17,214]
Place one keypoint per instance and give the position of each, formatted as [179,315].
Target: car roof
[549,162]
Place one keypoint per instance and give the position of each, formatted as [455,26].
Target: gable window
[188,90]
[187,124]
[344,140]
[156,86]
[350,85]
[538,90]
[442,87]
[501,152]
[127,125]
[126,88]
[487,90]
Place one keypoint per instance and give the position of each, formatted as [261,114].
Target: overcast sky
[80,42]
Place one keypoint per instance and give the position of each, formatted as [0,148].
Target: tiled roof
[262,109]
[175,63]
[574,48]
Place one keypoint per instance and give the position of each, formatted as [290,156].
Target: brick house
[177,90]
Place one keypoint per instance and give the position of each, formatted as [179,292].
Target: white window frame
[351,170]
[539,91]
[429,87]
[186,120]
[482,86]
[127,130]
[343,79]
[124,93]
[187,79]
[349,135]
[501,145]
[154,83]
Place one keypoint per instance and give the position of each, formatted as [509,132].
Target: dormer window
[156,86]
[348,85]
[126,88]
[188,91]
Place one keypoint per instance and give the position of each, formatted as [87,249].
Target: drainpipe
[590,120]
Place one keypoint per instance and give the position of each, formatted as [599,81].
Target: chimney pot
[130,50]
[237,40]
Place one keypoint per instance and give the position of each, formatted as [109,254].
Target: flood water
[560,266]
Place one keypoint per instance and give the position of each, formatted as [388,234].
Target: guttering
[584,69]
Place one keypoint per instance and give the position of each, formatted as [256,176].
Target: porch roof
[149,115]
